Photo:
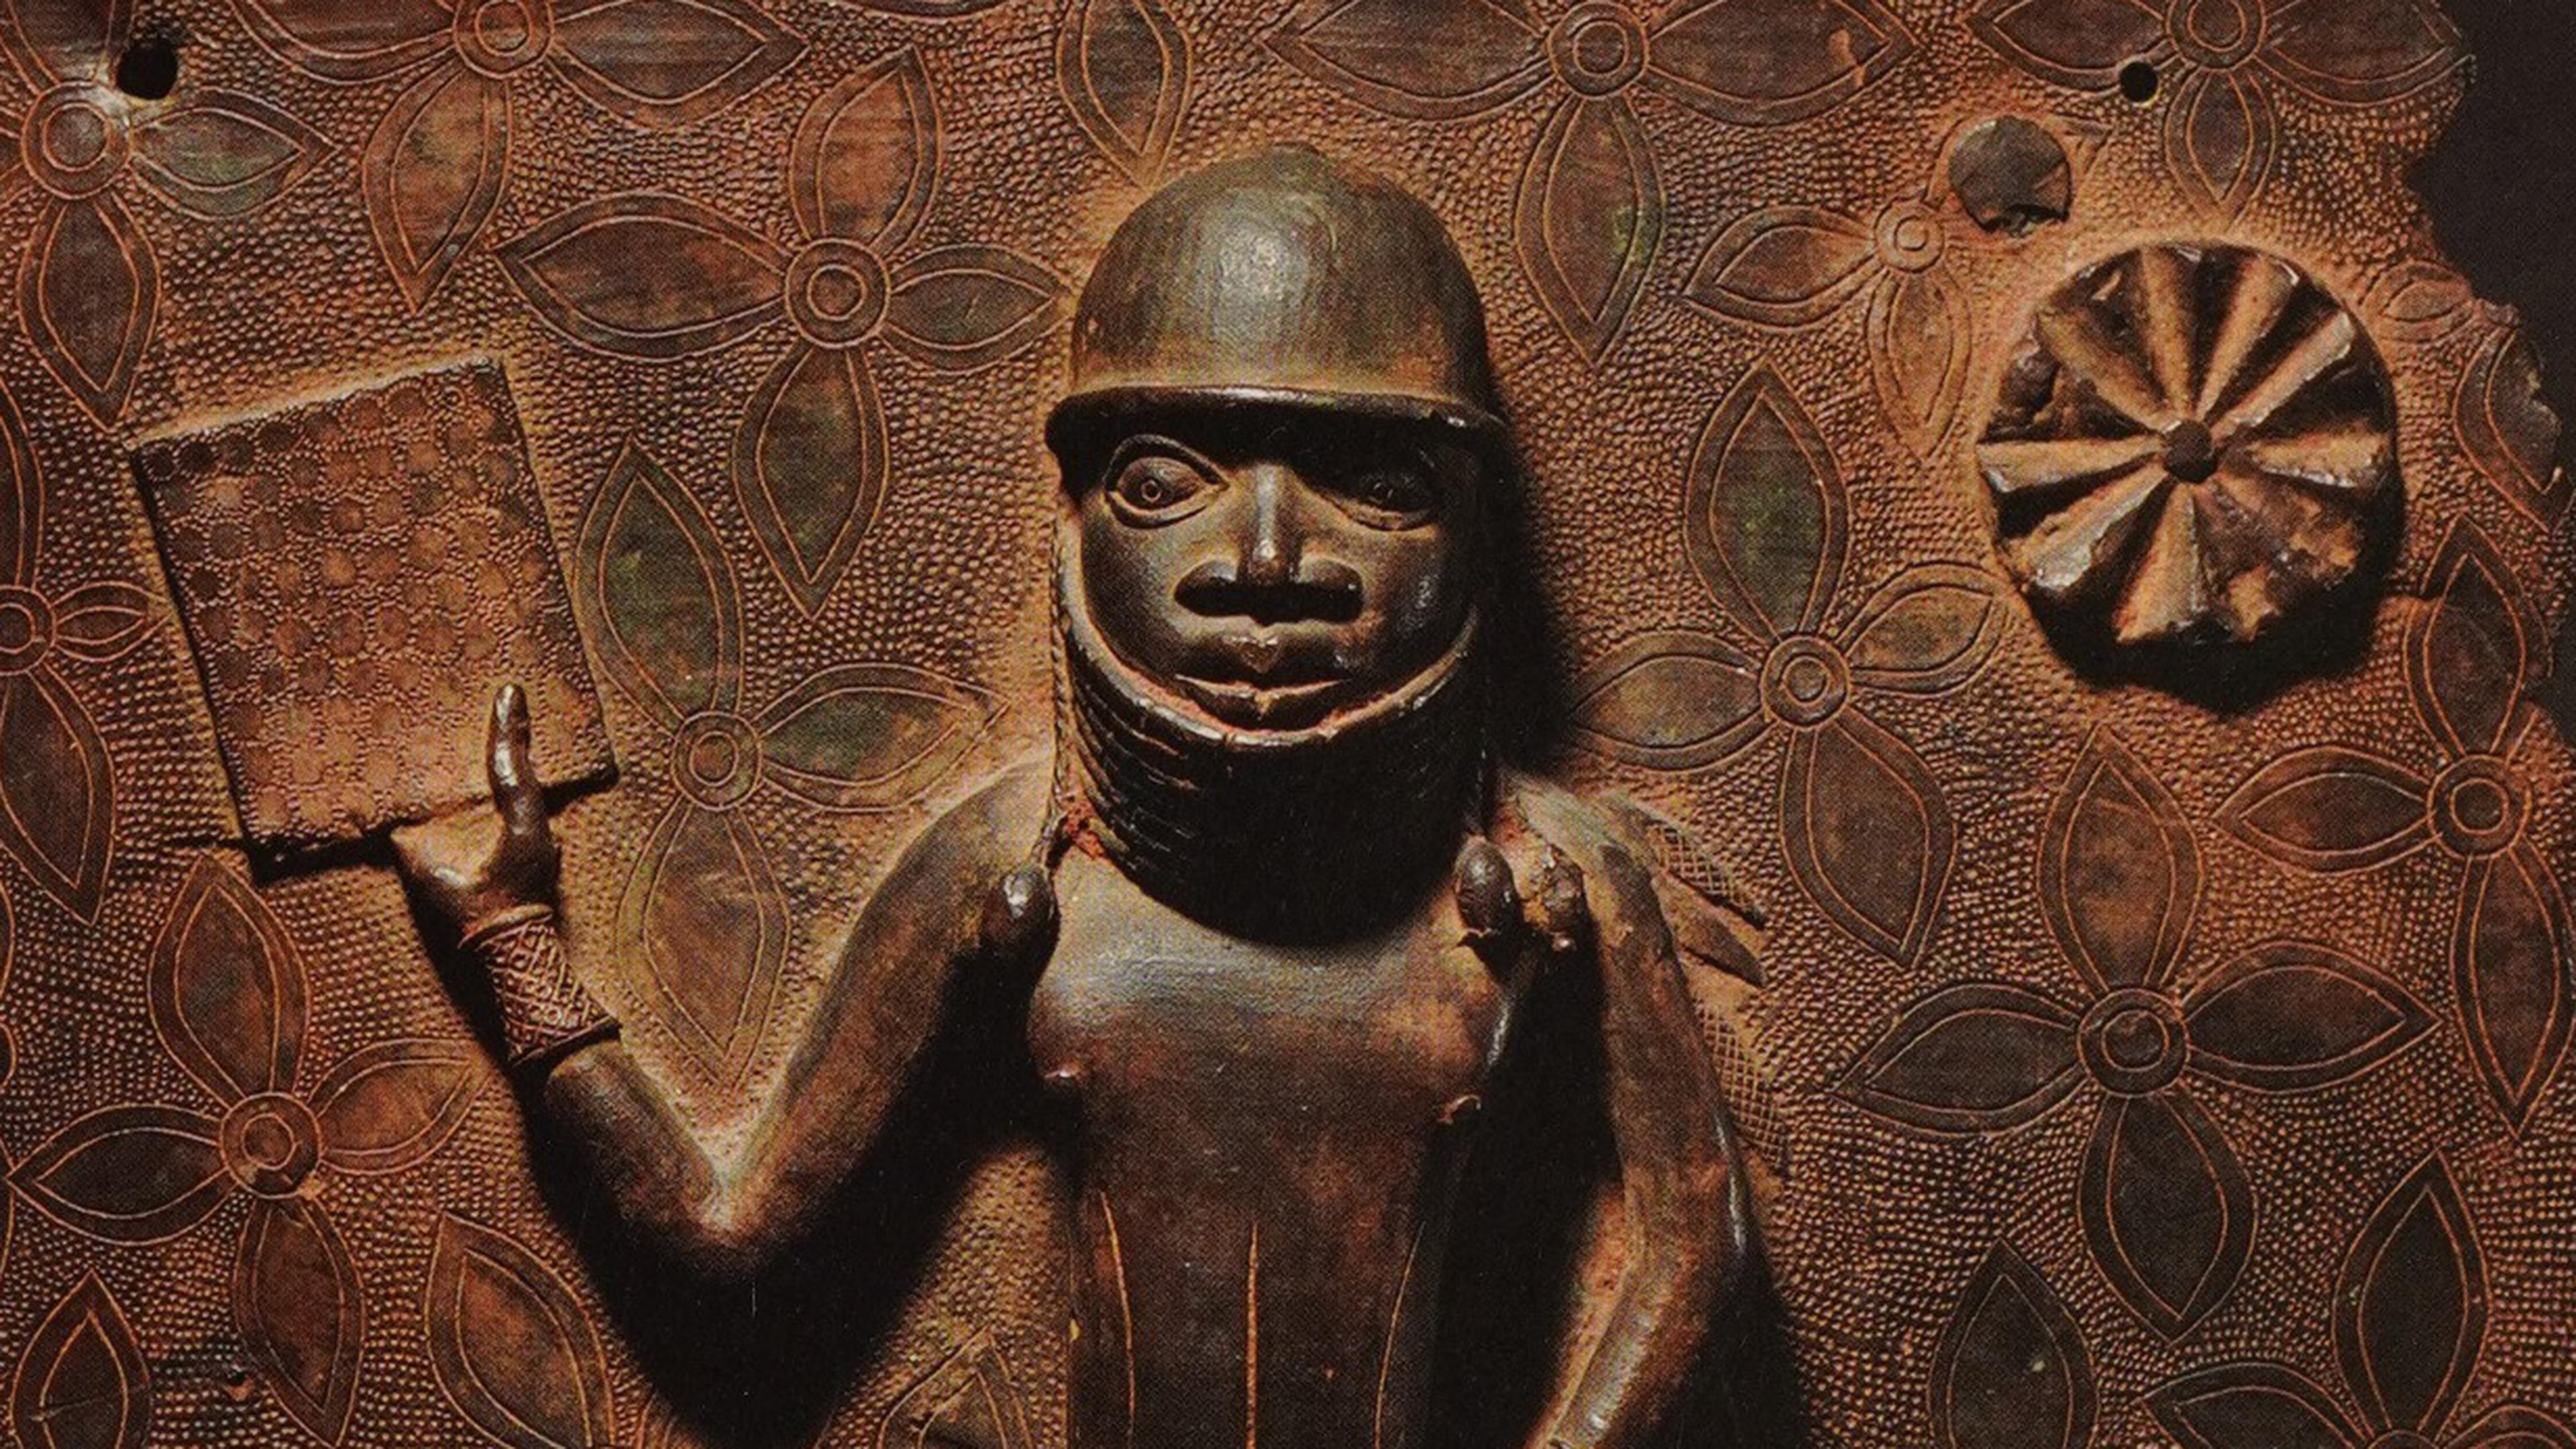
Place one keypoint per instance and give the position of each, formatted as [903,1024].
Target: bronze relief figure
[1271,913]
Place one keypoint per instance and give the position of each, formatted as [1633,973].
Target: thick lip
[1268,657]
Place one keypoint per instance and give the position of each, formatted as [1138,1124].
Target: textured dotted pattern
[357,574]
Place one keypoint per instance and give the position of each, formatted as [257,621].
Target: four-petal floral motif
[90,282]
[702,910]
[1590,209]
[1765,524]
[2409,1315]
[57,794]
[2220,126]
[1791,267]
[2470,655]
[2191,442]
[809,457]
[437,162]
[227,991]
[2166,1208]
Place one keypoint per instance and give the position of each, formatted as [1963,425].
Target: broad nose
[1270,576]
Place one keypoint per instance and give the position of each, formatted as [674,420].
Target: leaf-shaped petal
[2420,300]
[99,622]
[1928,630]
[1781,266]
[809,466]
[2328,808]
[1670,700]
[959,308]
[510,1345]
[432,173]
[1587,219]
[967,1399]
[1763,62]
[2469,650]
[2359,52]
[870,736]
[60,40]
[2410,1304]
[339,41]
[302,1319]
[223,154]
[703,912]
[88,290]
[1918,353]
[2081,43]
[1977,1057]
[2510,964]
[1427,59]
[1868,834]
[865,160]
[82,1381]
[57,792]
[22,497]
[2250,1406]
[2010,1368]
[1764,519]
[655,594]
[2119,875]
[1123,68]
[2166,1208]
[2509,429]
[669,62]
[713,281]
[2515,1427]
[2293,1015]
[390,1105]
[227,987]
[127,1174]
[2220,134]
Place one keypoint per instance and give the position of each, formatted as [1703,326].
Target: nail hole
[2139,81]
[149,69]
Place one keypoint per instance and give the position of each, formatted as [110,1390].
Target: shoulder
[983,835]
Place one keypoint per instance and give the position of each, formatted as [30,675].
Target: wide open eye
[1151,485]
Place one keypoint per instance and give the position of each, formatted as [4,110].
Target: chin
[1283,707]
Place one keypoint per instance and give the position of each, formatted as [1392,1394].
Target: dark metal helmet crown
[1279,277]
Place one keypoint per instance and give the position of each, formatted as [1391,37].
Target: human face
[1275,574]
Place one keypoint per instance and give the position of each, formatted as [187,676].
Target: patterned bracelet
[545,1013]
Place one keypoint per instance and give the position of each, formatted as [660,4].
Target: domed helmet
[1279,278]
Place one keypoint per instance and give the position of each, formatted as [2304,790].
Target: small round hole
[149,69]
[2139,81]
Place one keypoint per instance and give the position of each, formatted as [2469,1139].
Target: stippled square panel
[355,573]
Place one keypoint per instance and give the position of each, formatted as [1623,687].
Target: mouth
[1282,706]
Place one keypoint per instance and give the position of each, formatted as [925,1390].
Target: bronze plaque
[1804,723]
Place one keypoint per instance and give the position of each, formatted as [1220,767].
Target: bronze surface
[2165,973]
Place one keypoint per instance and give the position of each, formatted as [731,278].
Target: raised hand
[469,867]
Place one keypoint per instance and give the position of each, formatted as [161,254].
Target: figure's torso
[1267,1139]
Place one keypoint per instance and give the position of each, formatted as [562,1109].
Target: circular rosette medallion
[2193,443]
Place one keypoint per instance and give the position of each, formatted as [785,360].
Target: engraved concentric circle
[2220,34]
[26,628]
[2133,1042]
[270,1143]
[2475,806]
[74,144]
[1598,48]
[836,291]
[498,37]
[1908,236]
[1805,681]
[716,759]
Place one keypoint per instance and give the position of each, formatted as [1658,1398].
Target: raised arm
[490,879]
[1686,1219]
